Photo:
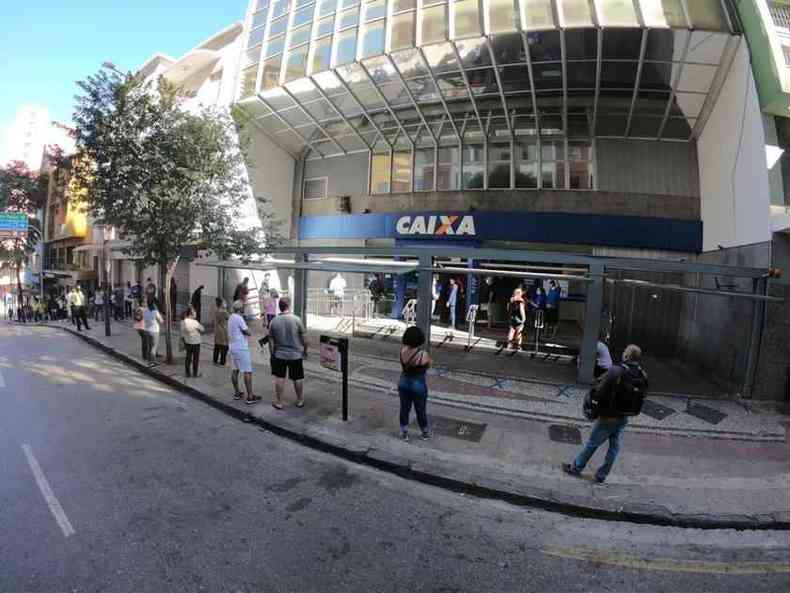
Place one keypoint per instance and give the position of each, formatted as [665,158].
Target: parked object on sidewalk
[619,394]
[288,346]
[412,386]
[240,357]
[190,333]
[220,332]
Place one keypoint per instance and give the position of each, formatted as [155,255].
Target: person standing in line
[139,326]
[337,288]
[128,300]
[195,301]
[611,421]
[517,316]
[241,292]
[153,319]
[119,302]
[240,356]
[220,332]
[98,304]
[288,347]
[270,304]
[412,386]
[150,291]
[190,333]
[436,292]
[77,302]
[452,301]
[552,308]
[173,300]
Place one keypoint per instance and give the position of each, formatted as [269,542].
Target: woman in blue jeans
[412,387]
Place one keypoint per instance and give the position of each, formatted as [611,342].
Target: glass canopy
[334,77]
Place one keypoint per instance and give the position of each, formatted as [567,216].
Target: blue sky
[45,46]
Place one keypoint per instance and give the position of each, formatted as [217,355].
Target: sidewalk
[709,464]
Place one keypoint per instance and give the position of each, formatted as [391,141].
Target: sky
[47,45]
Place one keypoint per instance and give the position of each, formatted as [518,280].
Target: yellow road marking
[667,564]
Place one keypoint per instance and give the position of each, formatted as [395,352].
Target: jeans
[127,309]
[81,316]
[413,391]
[192,358]
[604,429]
[220,354]
[145,343]
[452,316]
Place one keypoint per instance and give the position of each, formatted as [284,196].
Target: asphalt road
[111,482]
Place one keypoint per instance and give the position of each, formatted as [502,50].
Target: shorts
[294,368]
[241,360]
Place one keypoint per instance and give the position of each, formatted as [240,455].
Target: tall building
[31,131]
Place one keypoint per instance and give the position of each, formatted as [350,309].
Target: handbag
[591,405]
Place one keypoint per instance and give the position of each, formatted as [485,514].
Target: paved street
[113,482]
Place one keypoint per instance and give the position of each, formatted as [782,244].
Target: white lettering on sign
[436,225]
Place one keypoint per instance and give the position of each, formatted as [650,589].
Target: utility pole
[106,276]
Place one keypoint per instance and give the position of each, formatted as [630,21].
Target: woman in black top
[517,315]
[412,387]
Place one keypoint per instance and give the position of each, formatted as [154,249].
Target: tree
[163,176]
[21,191]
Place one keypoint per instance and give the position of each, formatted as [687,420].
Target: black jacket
[606,390]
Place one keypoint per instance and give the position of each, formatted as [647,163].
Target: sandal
[300,404]
[255,399]
[238,395]
[277,406]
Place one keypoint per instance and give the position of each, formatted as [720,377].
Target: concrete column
[425,298]
[592,324]
[472,286]
[299,304]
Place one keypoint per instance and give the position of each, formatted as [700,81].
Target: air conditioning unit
[344,204]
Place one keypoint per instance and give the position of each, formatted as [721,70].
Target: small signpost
[334,356]
[471,320]
[539,325]
[13,225]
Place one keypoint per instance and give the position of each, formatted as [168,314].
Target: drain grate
[565,434]
[705,413]
[458,429]
[657,411]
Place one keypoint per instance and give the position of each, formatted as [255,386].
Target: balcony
[780,14]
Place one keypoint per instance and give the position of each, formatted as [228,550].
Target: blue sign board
[533,227]
[12,224]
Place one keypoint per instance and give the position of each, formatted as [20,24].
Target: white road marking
[2,381]
[46,491]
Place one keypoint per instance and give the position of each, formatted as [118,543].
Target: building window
[499,166]
[580,165]
[346,47]
[315,189]
[552,167]
[502,16]
[402,31]
[423,169]
[248,81]
[373,39]
[467,18]
[527,164]
[401,172]
[433,24]
[322,52]
[449,172]
[380,174]
[473,166]
[271,73]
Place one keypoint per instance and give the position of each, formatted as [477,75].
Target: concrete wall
[639,166]
[734,184]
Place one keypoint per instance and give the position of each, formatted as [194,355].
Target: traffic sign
[13,225]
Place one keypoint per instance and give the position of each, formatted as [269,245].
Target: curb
[489,488]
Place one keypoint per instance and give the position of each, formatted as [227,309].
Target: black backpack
[628,394]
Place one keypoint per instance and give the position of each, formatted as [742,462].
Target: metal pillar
[299,304]
[753,354]
[425,297]
[400,295]
[592,324]
[472,284]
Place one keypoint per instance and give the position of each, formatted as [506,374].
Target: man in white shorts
[240,357]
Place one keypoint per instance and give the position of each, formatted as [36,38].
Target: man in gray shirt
[288,347]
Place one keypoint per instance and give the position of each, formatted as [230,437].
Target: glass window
[545,46]
[303,16]
[346,46]
[315,189]
[473,166]
[467,18]
[322,52]
[423,170]
[327,7]
[707,15]
[349,18]
[296,64]
[448,177]
[280,7]
[348,4]
[552,154]
[499,166]
[256,37]
[271,73]
[538,14]
[248,81]
[373,39]
[402,33]
[300,3]
[434,24]
[622,44]
[374,10]
[502,15]
[300,36]
[262,5]
[526,164]
[277,27]
[581,44]
[663,13]
[380,174]
[325,26]
[252,56]
[401,172]
[576,13]
[580,165]
[275,46]
[619,13]
[398,5]
[258,19]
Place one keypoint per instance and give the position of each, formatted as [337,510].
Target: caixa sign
[436,226]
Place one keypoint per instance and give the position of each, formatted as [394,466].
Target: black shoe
[188,376]
[599,480]
[568,469]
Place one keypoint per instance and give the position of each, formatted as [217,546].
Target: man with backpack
[620,394]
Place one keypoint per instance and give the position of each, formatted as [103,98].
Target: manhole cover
[565,434]
[458,429]
[656,411]
[705,413]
